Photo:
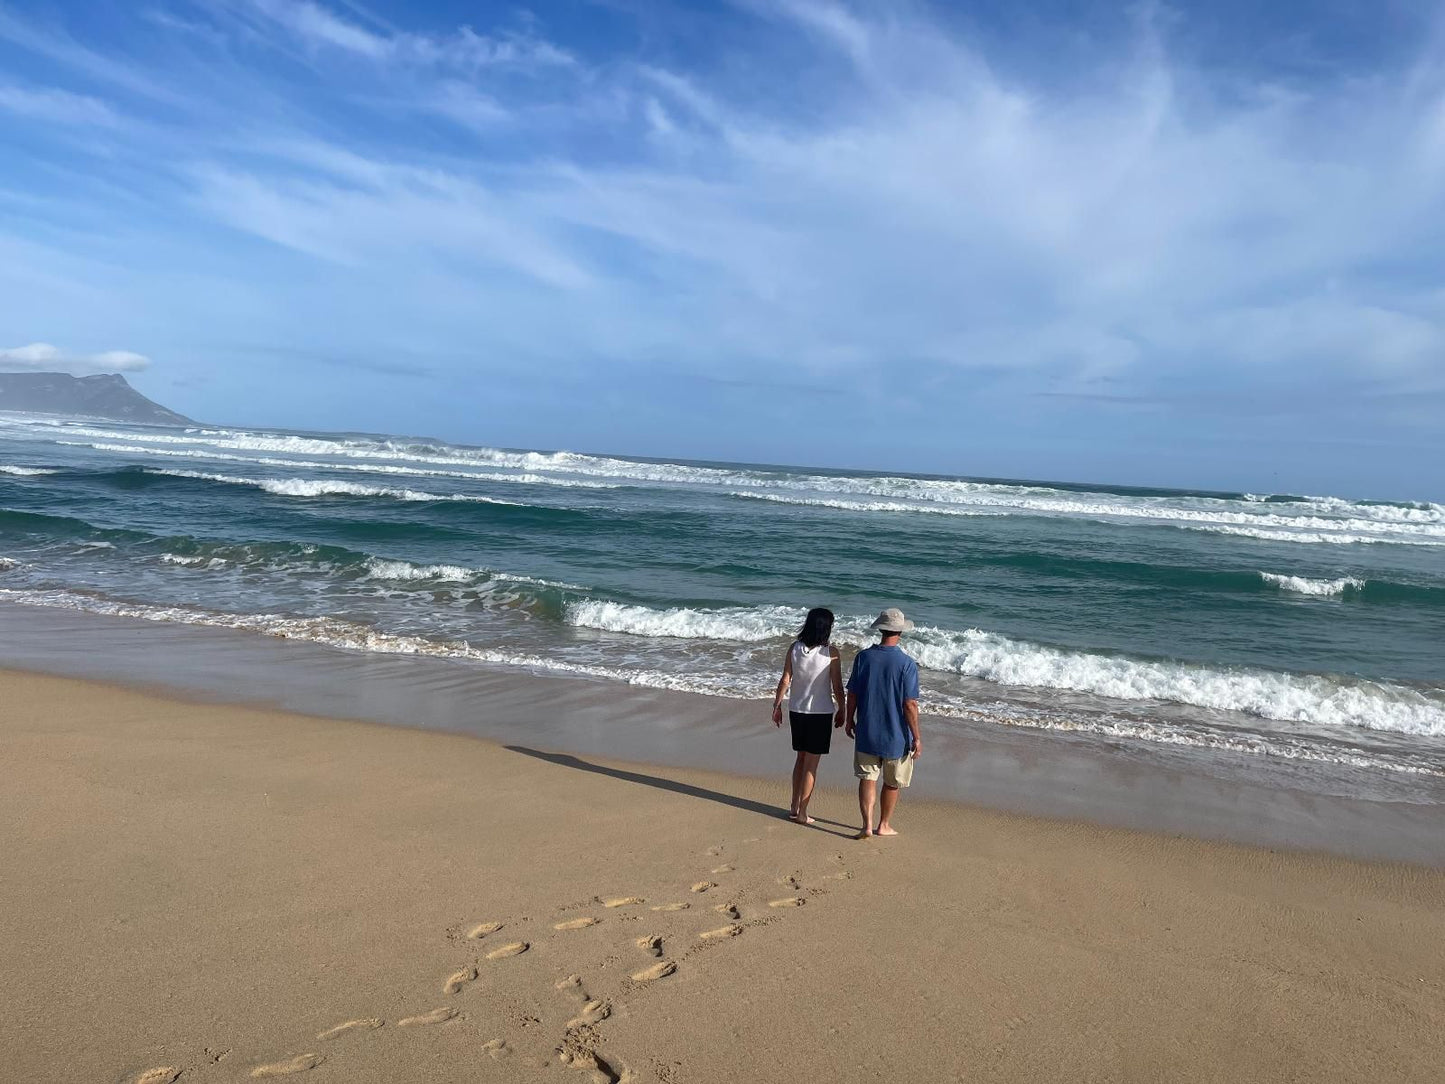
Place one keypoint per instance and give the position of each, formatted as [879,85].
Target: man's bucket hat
[892,620]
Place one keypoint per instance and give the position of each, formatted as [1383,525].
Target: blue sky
[1193,245]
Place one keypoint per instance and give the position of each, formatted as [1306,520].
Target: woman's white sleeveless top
[812,690]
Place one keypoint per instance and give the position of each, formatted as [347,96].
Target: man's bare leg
[867,792]
[889,801]
[805,787]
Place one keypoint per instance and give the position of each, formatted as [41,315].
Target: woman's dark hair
[817,627]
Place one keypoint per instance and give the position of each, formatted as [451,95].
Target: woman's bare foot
[864,834]
[804,819]
[885,830]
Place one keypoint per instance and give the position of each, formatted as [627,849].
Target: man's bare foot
[885,830]
[864,834]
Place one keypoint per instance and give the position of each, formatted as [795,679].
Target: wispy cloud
[821,190]
[58,45]
[56,106]
[319,27]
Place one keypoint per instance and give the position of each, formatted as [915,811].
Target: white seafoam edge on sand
[971,653]
[336,633]
[1301,585]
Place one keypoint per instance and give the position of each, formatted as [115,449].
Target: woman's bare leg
[804,791]
[798,768]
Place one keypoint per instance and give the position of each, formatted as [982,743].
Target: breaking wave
[1321,700]
[865,506]
[320,487]
[1300,585]
[1275,518]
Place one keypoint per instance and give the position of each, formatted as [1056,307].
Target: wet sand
[1161,788]
[211,892]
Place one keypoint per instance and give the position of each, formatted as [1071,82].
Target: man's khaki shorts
[896,773]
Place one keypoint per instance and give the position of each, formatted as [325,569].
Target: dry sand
[211,893]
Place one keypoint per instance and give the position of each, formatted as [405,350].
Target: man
[883,721]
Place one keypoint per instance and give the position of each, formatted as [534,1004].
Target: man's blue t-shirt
[882,679]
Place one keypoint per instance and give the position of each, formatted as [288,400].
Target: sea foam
[352,636]
[1299,520]
[1300,585]
[321,487]
[1322,700]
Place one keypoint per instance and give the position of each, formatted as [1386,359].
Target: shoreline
[983,765]
[224,892]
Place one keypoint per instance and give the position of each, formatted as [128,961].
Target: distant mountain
[106,396]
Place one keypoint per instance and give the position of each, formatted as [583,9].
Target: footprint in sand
[497,1048]
[791,882]
[787,901]
[659,970]
[606,1070]
[436,1016]
[652,945]
[728,909]
[704,886]
[370,1023]
[672,907]
[458,979]
[721,932]
[579,923]
[477,932]
[299,1064]
[623,901]
[724,869]
[592,1012]
[516,948]
[161,1074]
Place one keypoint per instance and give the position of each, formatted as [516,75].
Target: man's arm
[854,679]
[910,715]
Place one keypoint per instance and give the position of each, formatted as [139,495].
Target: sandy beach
[218,893]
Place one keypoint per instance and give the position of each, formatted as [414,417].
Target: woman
[813,681]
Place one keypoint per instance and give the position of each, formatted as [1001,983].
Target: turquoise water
[1302,628]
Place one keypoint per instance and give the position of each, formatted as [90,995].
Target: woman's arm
[835,671]
[783,683]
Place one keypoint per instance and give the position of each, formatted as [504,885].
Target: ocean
[1238,629]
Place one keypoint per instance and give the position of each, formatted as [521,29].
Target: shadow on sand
[566,760]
